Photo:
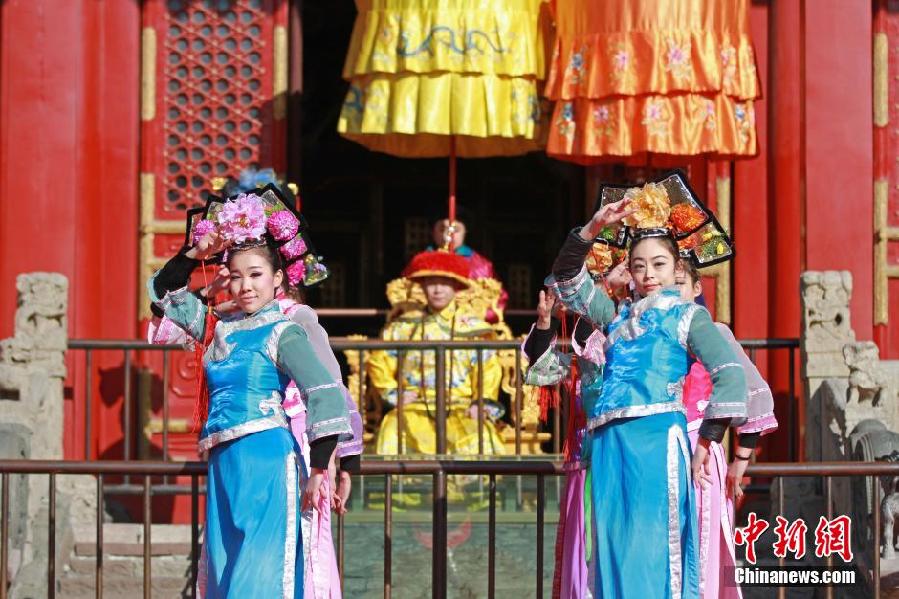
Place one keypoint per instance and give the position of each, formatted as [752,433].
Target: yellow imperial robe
[418,376]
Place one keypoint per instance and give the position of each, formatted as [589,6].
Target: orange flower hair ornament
[667,207]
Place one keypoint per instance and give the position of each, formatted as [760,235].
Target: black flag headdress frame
[667,207]
[256,217]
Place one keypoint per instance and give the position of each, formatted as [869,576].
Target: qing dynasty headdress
[439,263]
[667,207]
[257,217]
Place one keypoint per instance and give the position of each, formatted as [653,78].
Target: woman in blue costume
[253,535]
[644,539]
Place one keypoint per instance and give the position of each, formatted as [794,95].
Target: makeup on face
[253,282]
[652,266]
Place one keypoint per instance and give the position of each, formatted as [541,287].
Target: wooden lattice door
[214,84]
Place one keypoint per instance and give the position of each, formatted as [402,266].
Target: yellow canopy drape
[421,71]
[633,77]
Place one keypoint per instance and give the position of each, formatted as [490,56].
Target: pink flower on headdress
[296,272]
[242,218]
[203,227]
[294,248]
[283,225]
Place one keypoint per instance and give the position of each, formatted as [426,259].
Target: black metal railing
[438,470]
[441,390]
[790,346]
[440,349]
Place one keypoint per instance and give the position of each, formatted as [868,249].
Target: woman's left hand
[545,302]
[735,473]
[700,464]
[607,215]
[219,283]
[312,496]
[207,246]
[342,494]
[619,277]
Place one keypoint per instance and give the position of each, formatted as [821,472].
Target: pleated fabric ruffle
[630,78]
[421,71]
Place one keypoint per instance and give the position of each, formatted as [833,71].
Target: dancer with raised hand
[253,458]
[644,541]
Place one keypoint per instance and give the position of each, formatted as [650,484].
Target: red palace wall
[69,133]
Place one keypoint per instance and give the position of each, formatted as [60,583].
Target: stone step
[126,541]
[132,549]
[118,532]
[166,566]
[123,587]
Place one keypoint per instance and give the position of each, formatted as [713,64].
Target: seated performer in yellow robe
[441,275]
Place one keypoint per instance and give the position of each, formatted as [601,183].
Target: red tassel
[547,397]
[576,417]
[571,388]
[201,402]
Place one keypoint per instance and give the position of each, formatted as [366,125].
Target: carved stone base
[32,371]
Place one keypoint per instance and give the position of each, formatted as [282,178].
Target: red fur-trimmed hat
[439,264]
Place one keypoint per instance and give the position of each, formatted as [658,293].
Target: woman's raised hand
[219,283]
[545,303]
[208,245]
[619,277]
[607,215]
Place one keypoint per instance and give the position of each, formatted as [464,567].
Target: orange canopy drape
[423,72]
[637,77]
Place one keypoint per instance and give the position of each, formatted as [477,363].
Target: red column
[750,205]
[784,210]
[785,190]
[69,94]
[885,113]
[838,161]
[39,79]
[69,116]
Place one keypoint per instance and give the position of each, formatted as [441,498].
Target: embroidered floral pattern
[678,61]
[354,107]
[565,122]
[621,62]
[704,112]
[744,114]
[728,66]
[574,74]
[525,104]
[384,54]
[375,100]
[656,118]
[603,125]
[710,122]
[748,61]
